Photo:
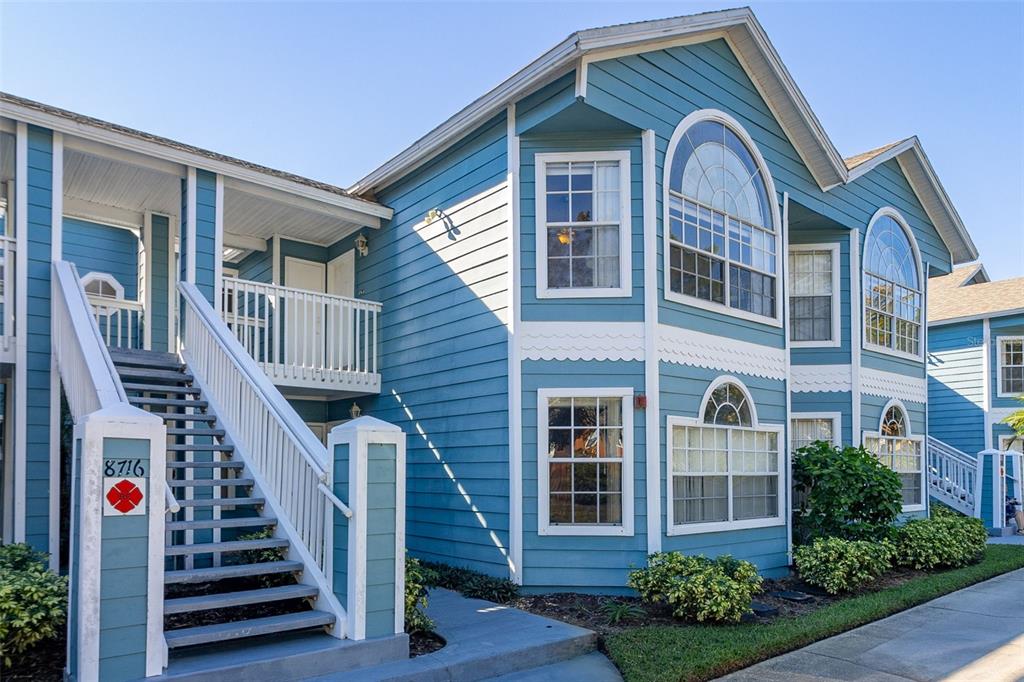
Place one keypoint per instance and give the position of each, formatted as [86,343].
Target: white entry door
[304,319]
[341,281]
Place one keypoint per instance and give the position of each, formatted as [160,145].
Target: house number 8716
[123,467]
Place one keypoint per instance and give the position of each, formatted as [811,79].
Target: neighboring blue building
[604,301]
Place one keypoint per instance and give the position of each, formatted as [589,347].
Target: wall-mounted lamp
[355,411]
[362,245]
[433,214]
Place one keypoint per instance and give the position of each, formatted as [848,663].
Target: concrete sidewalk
[974,634]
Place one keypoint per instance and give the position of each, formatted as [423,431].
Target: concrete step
[181,417]
[170,402]
[211,482]
[214,573]
[160,388]
[251,522]
[142,374]
[224,502]
[223,600]
[141,358]
[225,464]
[228,546]
[198,433]
[255,627]
[201,447]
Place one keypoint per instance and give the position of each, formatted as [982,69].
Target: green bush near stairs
[470,583]
[416,619]
[33,601]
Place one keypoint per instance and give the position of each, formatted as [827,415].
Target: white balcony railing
[305,339]
[7,328]
[952,476]
[119,321]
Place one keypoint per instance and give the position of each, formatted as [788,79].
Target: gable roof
[747,39]
[951,297]
[929,190]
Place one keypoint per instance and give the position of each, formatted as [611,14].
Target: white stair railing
[289,465]
[952,476]
[119,321]
[303,336]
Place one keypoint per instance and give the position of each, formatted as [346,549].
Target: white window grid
[622,223]
[806,428]
[905,456]
[814,273]
[1010,366]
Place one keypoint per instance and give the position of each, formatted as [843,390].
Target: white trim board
[884,384]
[652,374]
[821,378]
[515,375]
[581,340]
[692,347]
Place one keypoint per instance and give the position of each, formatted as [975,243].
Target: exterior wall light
[355,411]
[362,245]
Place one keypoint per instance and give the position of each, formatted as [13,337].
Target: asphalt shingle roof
[948,300]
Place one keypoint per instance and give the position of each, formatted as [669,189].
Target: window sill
[892,352]
[721,309]
[721,526]
[1015,396]
[837,343]
[908,508]
[618,292]
[599,531]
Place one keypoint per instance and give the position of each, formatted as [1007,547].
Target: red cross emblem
[124,496]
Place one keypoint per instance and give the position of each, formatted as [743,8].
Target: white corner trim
[855,338]
[190,226]
[625,288]
[515,377]
[218,242]
[20,447]
[652,375]
[56,253]
[821,378]
[582,340]
[892,385]
[691,347]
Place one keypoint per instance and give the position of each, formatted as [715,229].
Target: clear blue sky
[333,90]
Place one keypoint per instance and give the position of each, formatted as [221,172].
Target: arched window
[898,449]
[721,226]
[725,466]
[892,286]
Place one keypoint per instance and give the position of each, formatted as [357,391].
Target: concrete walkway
[488,641]
[974,634]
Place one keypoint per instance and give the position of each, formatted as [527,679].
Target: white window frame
[921,337]
[837,329]
[835,417]
[544,526]
[672,421]
[1000,340]
[895,402]
[780,250]
[625,288]
[106,277]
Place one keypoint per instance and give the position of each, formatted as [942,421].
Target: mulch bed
[421,643]
[585,610]
[42,663]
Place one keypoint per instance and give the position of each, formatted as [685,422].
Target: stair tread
[223,502]
[182,417]
[154,374]
[202,447]
[226,464]
[144,358]
[176,431]
[169,402]
[210,482]
[227,599]
[203,524]
[202,575]
[227,546]
[159,388]
[247,628]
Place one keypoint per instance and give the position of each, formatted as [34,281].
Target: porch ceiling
[106,183]
[261,217]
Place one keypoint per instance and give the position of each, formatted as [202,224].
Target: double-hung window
[585,461]
[892,287]
[725,469]
[722,245]
[808,428]
[583,224]
[814,295]
[1011,366]
[896,448]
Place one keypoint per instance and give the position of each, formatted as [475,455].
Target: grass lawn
[702,652]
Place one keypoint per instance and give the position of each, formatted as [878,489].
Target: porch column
[116,590]
[369,547]
[158,243]
[201,215]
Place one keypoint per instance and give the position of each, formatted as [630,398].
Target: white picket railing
[289,465]
[7,259]
[119,321]
[87,373]
[952,476]
[304,338]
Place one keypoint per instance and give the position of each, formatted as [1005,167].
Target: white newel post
[115,618]
[369,548]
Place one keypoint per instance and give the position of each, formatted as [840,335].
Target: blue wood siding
[826,401]
[36,333]
[580,563]
[956,398]
[1009,325]
[444,347]
[682,390]
[206,212]
[161,280]
[258,266]
[93,247]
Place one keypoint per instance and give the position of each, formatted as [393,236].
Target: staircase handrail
[950,451]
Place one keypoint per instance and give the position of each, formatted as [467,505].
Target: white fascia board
[979,316]
[189,159]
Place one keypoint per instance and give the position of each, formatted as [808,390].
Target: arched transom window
[725,466]
[722,238]
[896,448]
[892,288]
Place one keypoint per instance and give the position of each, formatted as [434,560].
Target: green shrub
[943,541]
[471,583]
[698,588]
[33,601]
[837,565]
[416,575]
[845,493]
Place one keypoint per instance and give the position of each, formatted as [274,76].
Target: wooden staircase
[227,576]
